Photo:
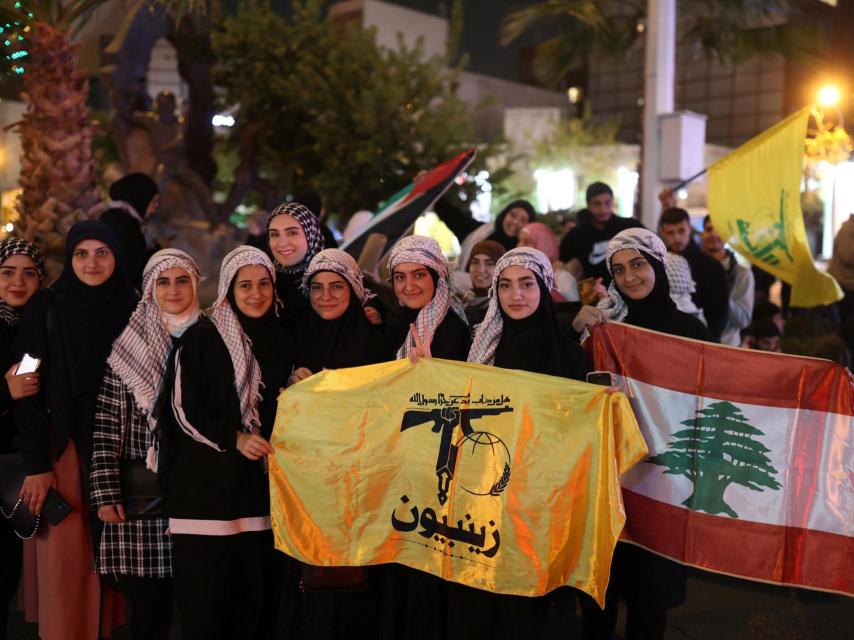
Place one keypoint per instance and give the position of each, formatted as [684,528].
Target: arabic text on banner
[751,458]
[501,480]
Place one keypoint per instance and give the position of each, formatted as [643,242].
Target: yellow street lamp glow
[829,95]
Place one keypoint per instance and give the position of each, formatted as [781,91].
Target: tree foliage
[718,449]
[338,113]
[726,30]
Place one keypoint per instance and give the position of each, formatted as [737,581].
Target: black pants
[219,584]
[151,605]
[11,555]
[650,586]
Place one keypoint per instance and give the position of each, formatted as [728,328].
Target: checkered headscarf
[426,251]
[247,372]
[310,226]
[488,333]
[640,240]
[344,265]
[18,247]
[140,353]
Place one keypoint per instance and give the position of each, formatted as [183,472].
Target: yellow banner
[755,204]
[501,480]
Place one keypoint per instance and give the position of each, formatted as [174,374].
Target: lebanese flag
[400,212]
[750,470]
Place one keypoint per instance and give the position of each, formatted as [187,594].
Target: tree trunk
[708,496]
[57,164]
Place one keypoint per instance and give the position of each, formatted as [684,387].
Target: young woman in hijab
[480,267]
[135,552]
[420,278]
[540,236]
[21,275]
[519,331]
[294,236]
[639,294]
[337,334]
[505,229]
[226,375]
[71,327]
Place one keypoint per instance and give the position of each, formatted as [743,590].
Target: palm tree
[723,29]
[57,163]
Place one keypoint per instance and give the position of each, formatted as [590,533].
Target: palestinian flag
[400,211]
[750,470]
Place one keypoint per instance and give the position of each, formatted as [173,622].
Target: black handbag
[12,508]
[142,495]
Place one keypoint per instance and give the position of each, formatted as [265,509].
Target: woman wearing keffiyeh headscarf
[520,331]
[135,552]
[520,328]
[227,372]
[420,278]
[336,333]
[21,275]
[294,237]
[639,294]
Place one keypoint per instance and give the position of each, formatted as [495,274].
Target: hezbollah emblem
[718,449]
[487,473]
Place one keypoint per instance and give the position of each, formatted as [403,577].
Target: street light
[829,95]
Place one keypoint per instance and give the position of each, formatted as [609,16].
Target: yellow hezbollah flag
[755,204]
[500,480]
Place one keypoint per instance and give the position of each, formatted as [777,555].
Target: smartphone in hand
[28,364]
[605,378]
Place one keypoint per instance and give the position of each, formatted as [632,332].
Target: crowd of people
[152,419]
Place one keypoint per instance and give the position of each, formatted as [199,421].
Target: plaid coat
[139,547]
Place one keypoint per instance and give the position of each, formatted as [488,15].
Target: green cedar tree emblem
[718,449]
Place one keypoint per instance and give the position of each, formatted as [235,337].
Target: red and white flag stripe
[751,458]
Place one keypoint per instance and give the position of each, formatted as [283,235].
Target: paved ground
[718,608]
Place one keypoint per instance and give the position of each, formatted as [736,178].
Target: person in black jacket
[584,247]
[133,199]
[639,295]
[226,375]
[712,294]
[420,277]
[335,335]
[21,275]
[71,328]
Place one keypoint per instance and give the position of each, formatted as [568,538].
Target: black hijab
[272,346]
[535,343]
[87,321]
[498,235]
[348,341]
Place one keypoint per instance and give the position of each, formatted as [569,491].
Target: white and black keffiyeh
[640,240]
[310,226]
[247,372]
[344,265]
[18,247]
[488,332]
[426,251]
[140,353]
[682,285]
